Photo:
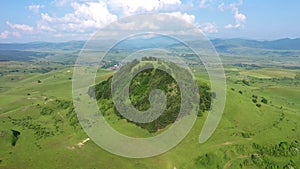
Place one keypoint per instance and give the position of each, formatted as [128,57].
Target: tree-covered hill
[139,90]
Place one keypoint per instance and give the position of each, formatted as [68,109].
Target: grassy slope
[227,147]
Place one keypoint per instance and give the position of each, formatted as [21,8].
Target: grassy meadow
[252,133]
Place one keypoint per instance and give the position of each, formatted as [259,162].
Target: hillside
[39,105]
[141,86]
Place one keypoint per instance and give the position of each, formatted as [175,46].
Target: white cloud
[4,34]
[136,25]
[35,8]
[240,19]
[164,23]
[44,27]
[169,5]
[16,30]
[46,17]
[171,2]
[160,22]
[204,3]
[88,16]
[22,27]
[93,14]
[184,16]
[221,6]
[85,16]
[130,7]
[61,3]
[209,28]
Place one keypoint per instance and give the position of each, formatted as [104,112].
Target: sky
[66,20]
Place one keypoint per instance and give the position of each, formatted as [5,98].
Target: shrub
[246,82]
[15,137]
[46,111]
[264,100]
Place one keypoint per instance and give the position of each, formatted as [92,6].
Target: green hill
[141,85]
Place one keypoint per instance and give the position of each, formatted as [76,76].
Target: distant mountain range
[281,44]
[281,47]
[278,48]
[220,44]
[40,46]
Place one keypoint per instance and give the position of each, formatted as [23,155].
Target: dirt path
[49,100]
[83,142]
[80,144]
[61,115]
[228,143]
[229,163]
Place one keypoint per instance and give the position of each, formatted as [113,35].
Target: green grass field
[248,136]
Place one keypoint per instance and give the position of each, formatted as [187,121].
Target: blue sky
[64,20]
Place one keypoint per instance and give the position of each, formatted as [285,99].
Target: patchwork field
[268,73]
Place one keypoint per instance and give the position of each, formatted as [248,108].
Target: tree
[246,82]
[264,100]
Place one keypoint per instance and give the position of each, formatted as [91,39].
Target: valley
[253,133]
